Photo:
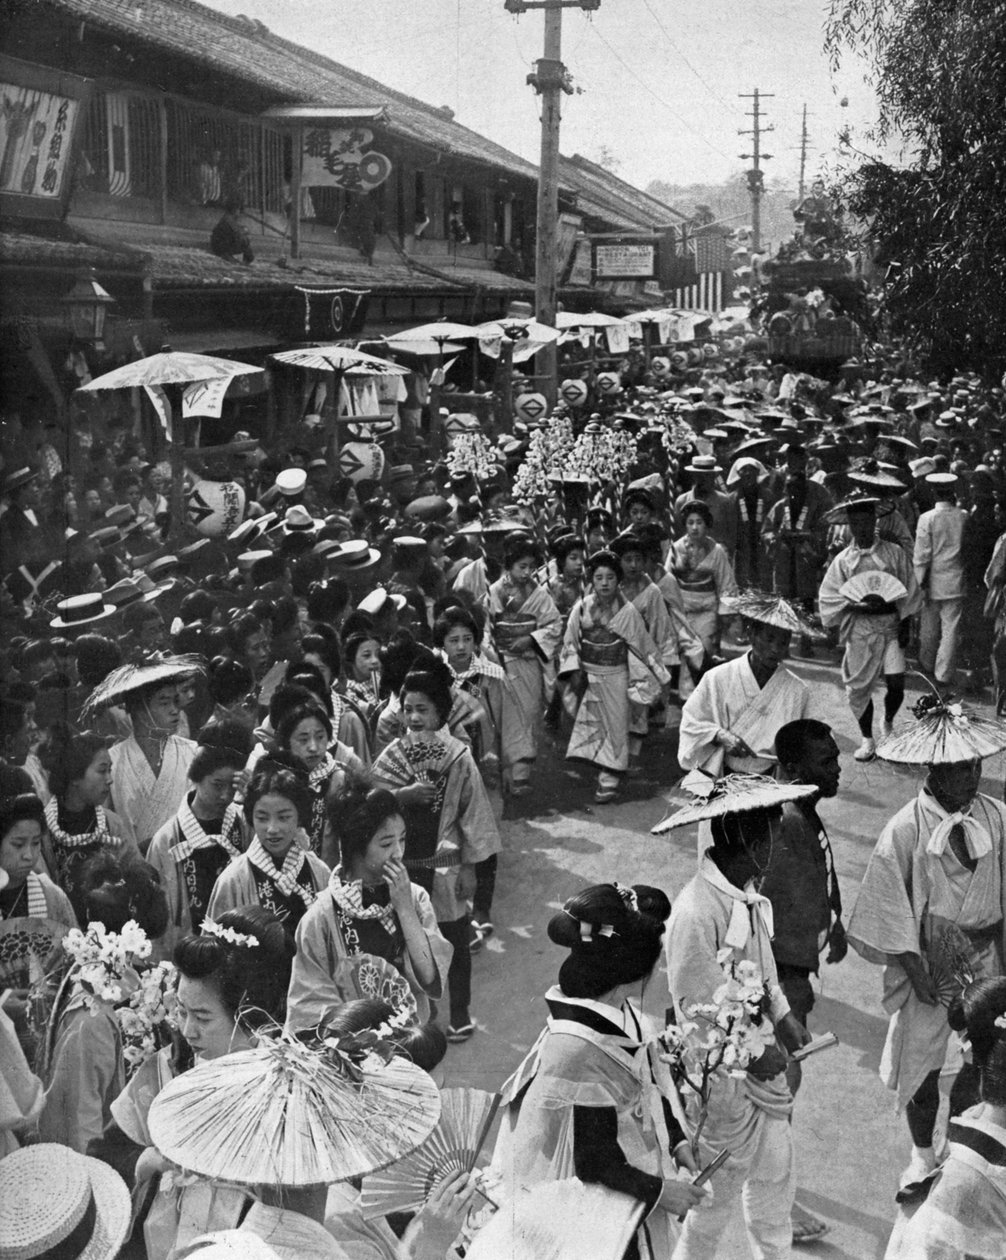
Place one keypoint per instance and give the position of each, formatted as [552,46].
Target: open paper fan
[874,582]
[951,963]
[466,1117]
[28,949]
[371,976]
[560,1220]
[286,1115]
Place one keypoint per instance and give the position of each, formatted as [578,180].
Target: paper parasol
[560,1220]
[735,794]
[170,367]
[466,1117]
[128,678]
[340,359]
[944,734]
[29,948]
[286,1115]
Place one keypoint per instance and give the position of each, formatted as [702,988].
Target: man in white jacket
[939,571]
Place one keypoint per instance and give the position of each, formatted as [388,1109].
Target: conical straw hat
[771,610]
[283,1114]
[735,794]
[945,732]
[126,679]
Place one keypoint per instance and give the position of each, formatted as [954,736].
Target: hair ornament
[1000,1021]
[588,931]
[628,895]
[212,928]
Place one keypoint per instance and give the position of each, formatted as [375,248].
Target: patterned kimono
[706,578]
[253,880]
[74,839]
[512,615]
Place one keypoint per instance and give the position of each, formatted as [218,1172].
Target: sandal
[807,1228]
[604,796]
[462,1033]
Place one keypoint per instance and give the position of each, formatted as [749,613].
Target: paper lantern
[608,383]
[660,366]
[215,507]
[361,460]
[680,360]
[694,356]
[530,407]
[710,350]
[573,393]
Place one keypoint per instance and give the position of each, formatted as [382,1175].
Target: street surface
[851,1145]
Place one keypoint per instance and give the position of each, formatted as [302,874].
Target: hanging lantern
[87,305]
[679,360]
[694,356]
[215,507]
[660,366]
[361,460]
[573,392]
[710,350]
[530,407]
[608,383]
[460,422]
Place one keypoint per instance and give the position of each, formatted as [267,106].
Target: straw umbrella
[172,370]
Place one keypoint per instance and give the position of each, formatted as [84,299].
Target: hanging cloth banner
[205,398]
[336,157]
[159,399]
[333,312]
[618,338]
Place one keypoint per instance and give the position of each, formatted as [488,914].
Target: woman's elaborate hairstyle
[250,980]
[402,654]
[450,620]
[352,643]
[224,743]
[16,803]
[279,775]
[229,681]
[325,647]
[565,546]
[356,809]
[424,1044]
[603,560]
[434,681]
[198,605]
[242,628]
[65,757]
[975,1013]
[114,890]
[613,936]
[640,496]
[292,718]
[518,547]
[695,507]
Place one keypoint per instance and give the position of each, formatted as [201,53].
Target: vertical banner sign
[337,157]
[581,271]
[205,398]
[565,238]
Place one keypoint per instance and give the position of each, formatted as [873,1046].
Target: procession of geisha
[258,781]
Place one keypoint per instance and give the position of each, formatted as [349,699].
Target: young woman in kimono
[81,1061]
[579,1105]
[403,654]
[608,661]
[78,825]
[450,825]
[208,832]
[523,629]
[703,573]
[278,872]
[566,587]
[233,978]
[361,653]
[370,908]
[321,649]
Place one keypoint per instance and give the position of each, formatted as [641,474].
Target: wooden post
[295,179]
[504,386]
[550,84]
[176,457]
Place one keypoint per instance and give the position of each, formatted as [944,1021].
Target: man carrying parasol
[932,905]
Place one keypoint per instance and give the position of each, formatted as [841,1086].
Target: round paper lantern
[530,407]
[573,393]
[660,366]
[608,383]
[710,350]
[694,356]
[361,460]
[679,359]
[215,507]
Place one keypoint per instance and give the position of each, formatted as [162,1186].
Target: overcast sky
[659,78]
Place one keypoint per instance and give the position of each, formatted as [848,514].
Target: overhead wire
[681,56]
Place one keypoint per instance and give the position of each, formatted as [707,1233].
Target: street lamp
[87,305]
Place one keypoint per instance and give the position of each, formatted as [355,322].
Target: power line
[681,56]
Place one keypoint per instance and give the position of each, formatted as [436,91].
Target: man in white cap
[939,571]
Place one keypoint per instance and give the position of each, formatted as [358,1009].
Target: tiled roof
[250,53]
[30,250]
[602,195]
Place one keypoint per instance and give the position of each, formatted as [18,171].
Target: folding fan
[951,963]
[466,1116]
[28,949]
[873,582]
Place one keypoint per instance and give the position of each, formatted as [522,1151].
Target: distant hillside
[730,201]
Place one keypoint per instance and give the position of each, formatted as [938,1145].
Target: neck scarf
[99,835]
[348,896]
[322,771]
[37,907]
[194,837]
[284,877]
[976,836]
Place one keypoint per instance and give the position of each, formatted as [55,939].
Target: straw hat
[735,794]
[771,610]
[79,610]
[858,501]
[944,733]
[127,679]
[18,479]
[356,555]
[374,601]
[56,1202]
[284,1114]
[703,464]
[291,482]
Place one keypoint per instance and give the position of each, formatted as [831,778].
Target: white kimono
[145,803]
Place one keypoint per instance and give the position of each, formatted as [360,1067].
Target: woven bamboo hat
[771,610]
[944,733]
[734,794]
[285,1114]
[54,1202]
[126,679]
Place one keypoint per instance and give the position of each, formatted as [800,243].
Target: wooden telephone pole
[804,146]
[549,80]
[756,178]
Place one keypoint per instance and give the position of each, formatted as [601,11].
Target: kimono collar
[976,835]
[610,1013]
[750,910]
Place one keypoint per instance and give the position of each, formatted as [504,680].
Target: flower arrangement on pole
[472,452]
[547,456]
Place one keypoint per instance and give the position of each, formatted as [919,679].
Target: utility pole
[756,178]
[549,80]
[804,139]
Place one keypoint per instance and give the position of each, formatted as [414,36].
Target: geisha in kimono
[610,662]
[233,978]
[583,1103]
[373,932]
[704,573]
[523,629]
[449,822]
[456,636]
[209,831]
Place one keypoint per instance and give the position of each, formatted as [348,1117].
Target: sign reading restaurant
[614,262]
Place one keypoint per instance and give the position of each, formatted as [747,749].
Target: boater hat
[356,555]
[80,610]
[735,794]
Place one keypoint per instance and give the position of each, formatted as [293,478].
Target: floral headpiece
[931,705]
[212,928]
[628,895]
